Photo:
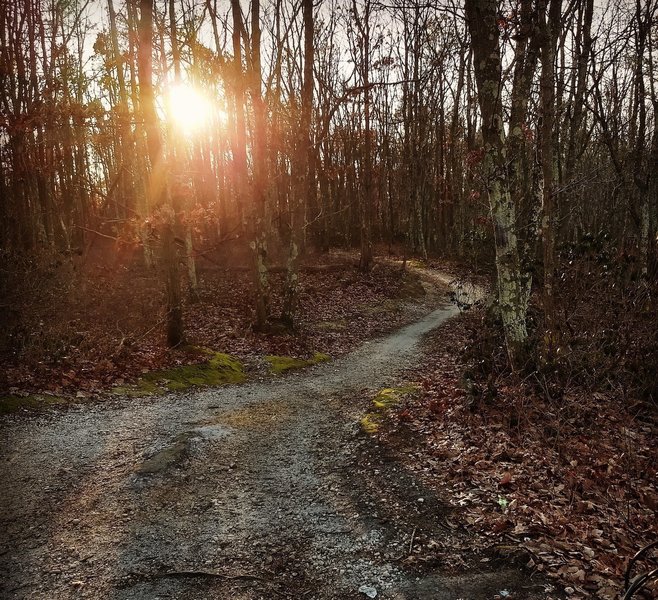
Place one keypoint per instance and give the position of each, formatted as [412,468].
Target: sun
[188,108]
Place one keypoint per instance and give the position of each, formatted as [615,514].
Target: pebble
[368,590]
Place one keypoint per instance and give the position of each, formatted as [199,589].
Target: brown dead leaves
[572,483]
[107,329]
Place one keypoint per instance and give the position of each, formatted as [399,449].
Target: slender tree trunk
[158,189]
[239,137]
[526,54]
[259,148]
[641,175]
[366,205]
[302,167]
[550,24]
[584,41]
[180,165]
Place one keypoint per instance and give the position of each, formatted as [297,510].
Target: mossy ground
[281,364]
[385,399]
[219,369]
[32,402]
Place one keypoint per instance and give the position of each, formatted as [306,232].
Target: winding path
[263,490]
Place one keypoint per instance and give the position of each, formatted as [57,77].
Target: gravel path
[263,490]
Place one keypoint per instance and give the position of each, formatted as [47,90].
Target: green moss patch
[385,399]
[281,364]
[139,389]
[33,402]
[218,370]
[371,422]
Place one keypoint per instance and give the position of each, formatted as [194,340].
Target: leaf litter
[568,487]
[107,330]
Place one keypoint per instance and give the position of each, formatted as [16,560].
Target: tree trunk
[550,25]
[157,184]
[366,208]
[180,165]
[302,167]
[259,148]
[483,26]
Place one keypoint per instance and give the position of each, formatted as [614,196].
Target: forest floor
[385,469]
[568,486]
[76,331]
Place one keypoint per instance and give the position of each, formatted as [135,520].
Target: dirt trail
[264,490]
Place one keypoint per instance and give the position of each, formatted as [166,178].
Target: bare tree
[302,177]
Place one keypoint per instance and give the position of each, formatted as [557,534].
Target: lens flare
[187,108]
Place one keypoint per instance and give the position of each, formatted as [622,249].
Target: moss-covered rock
[219,369]
[281,364]
[15,403]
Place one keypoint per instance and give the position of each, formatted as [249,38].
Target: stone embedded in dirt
[368,590]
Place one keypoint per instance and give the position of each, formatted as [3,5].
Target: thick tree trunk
[482,22]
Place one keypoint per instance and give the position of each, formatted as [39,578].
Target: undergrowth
[607,337]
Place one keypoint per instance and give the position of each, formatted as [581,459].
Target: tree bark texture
[483,26]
